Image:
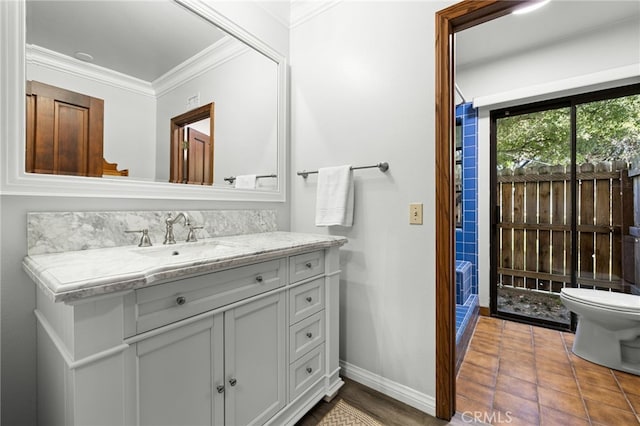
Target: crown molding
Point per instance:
(304, 10)
(215, 55)
(46, 58)
(284, 21)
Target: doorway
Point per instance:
(455, 18)
(192, 146)
(449, 21)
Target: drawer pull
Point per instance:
(309, 334)
(308, 299)
(308, 265)
(309, 370)
(259, 278)
(220, 388)
(181, 300)
(233, 382)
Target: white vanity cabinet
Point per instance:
(250, 343)
(224, 369)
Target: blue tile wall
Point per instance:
(467, 236)
(463, 281)
(464, 314)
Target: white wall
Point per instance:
(544, 73)
(129, 119)
(363, 92)
(609, 47)
(17, 292)
(245, 92)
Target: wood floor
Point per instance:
(530, 376)
(384, 409)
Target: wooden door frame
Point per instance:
(197, 114)
(457, 17)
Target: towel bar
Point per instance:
(231, 179)
(384, 166)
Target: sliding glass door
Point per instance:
(607, 140)
(562, 200)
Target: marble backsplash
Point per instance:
(55, 232)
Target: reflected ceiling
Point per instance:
(149, 42)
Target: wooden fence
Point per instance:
(534, 227)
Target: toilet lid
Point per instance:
(618, 301)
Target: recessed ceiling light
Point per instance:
(83, 56)
(530, 8)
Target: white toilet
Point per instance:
(608, 330)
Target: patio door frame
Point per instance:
(572, 102)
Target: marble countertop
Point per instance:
(74, 275)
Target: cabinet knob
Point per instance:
(309, 299)
(259, 278)
(233, 382)
(181, 300)
(309, 370)
(309, 334)
(308, 265)
(220, 388)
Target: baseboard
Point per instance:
(485, 311)
(409, 396)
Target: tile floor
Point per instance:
(524, 375)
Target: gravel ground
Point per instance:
(532, 304)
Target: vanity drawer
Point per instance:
(306, 299)
(306, 371)
(306, 335)
(306, 265)
(170, 302)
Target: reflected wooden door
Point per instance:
(199, 160)
(191, 151)
(64, 131)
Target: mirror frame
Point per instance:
(14, 180)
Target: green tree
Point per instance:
(606, 130)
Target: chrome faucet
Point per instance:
(169, 221)
(191, 236)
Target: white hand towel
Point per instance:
(334, 200)
(246, 181)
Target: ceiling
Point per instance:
(558, 20)
(143, 39)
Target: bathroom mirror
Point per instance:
(150, 62)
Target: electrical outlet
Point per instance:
(415, 214)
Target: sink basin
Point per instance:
(186, 251)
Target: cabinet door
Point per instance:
(255, 361)
(178, 372)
